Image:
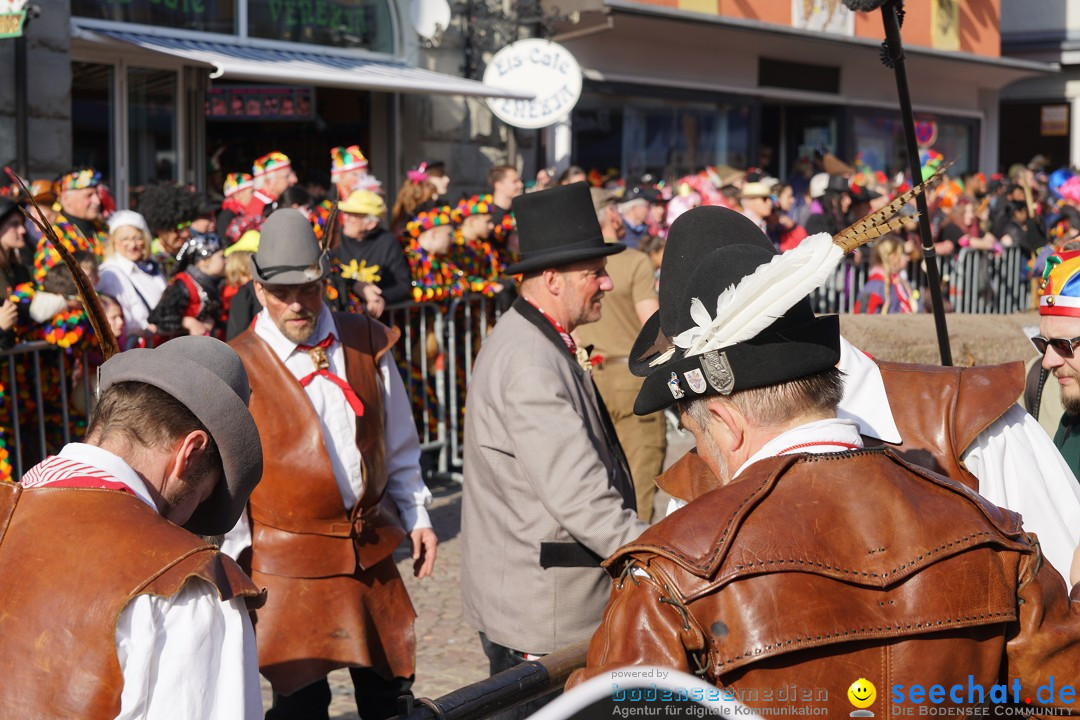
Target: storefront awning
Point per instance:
(234, 61)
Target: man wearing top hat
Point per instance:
(547, 492)
(111, 606)
(340, 491)
(816, 561)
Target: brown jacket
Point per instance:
(72, 560)
(939, 412)
(336, 598)
(817, 570)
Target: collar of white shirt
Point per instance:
(865, 400)
(282, 346)
(121, 263)
(113, 464)
(812, 437)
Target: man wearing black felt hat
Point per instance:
(813, 556)
(547, 489)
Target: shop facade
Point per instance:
(672, 88)
(188, 90)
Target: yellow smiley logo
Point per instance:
(862, 693)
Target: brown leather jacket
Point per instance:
(72, 560)
(817, 570)
(336, 598)
(939, 412)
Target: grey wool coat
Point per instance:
(547, 493)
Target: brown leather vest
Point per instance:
(300, 527)
(883, 570)
(939, 412)
(335, 596)
(71, 560)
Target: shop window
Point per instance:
(879, 140)
(92, 120)
(152, 112)
(338, 23)
(665, 141)
(217, 16)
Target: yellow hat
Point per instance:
(248, 242)
(363, 202)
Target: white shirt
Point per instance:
(188, 656)
(123, 279)
(1016, 462)
(404, 482)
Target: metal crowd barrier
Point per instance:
(31, 425)
(438, 347)
(974, 281)
(439, 343)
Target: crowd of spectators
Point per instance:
(179, 263)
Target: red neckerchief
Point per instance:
(317, 353)
(566, 338)
(58, 472)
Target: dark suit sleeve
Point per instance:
(245, 306)
(399, 290)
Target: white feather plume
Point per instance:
(762, 297)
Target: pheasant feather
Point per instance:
(745, 310)
(94, 310)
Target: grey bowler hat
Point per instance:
(207, 376)
(289, 253)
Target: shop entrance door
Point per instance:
(792, 132)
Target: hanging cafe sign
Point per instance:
(12, 18)
(546, 68)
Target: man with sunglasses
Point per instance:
(1057, 342)
(341, 477)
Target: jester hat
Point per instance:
(428, 219)
(343, 159)
(79, 180)
(1059, 291)
(476, 205)
(235, 182)
(270, 162)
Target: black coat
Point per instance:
(380, 248)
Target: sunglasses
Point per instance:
(1062, 346)
(181, 227)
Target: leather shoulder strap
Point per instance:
(985, 394)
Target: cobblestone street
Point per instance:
(448, 653)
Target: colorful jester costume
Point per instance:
(74, 239)
(41, 384)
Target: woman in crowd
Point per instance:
(128, 273)
(12, 272)
(886, 290)
(961, 229)
(783, 230)
(416, 193)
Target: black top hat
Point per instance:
(714, 249)
(838, 184)
(7, 206)
(558, 227)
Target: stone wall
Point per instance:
(49, 91)
(461, 131)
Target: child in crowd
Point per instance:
(237, 273)
(191, 304)
(89, 263)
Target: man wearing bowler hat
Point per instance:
(112, 607)
(340, 490)
(547, 492)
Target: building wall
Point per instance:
(49, 91)
(977, 31)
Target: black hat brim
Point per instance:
(559, 258)
(770, 359)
